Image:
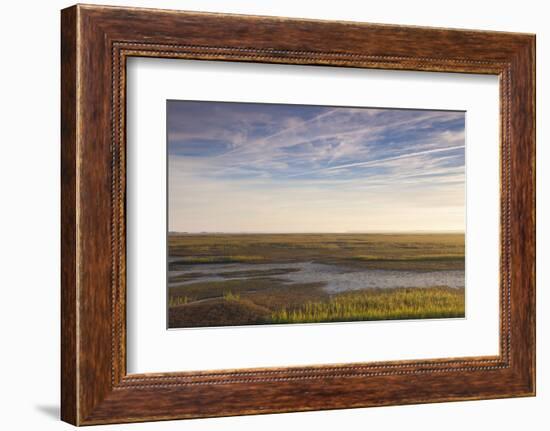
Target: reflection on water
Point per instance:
(335, 278)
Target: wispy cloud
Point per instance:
(383, 160)
(240, 153)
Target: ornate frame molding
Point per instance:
(96, 41)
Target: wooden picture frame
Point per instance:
(95, 43)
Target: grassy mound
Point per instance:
(216, 312)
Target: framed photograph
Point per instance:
(265, 215)
(284, 214)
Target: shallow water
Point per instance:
(335, 278)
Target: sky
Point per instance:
(254, 167)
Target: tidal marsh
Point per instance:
(243, 279)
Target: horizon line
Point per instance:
(314, 232)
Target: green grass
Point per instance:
(174, 301)
(388, 304)
(228, 296)
(281, 306)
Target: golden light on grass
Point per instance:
(387, 304)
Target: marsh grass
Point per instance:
(383, 251)
(218, 259)
(388, 304)
(251, 295)
(420, 257)
(174, 301)
(228, 296)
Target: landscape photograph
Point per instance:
(305, 214)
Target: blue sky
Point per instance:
(247, 167)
